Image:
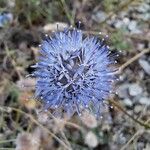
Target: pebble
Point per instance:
(140, 46)
(135, 89)
(127, 102)
(89, 120)
(126, 21)
(133, 27)
(55, 26)
(145, 65)
(123, 91)
(119, 24)
(143, 8)
(91, 139)
(141, 74)
(138, 108)
(99, 16)
(145, 100)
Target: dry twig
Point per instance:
(117, 104)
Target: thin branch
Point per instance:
(123, 66)
(65, 138)
(37, 123)
(67, 122)
(118, 105)
(139, 131)
(133, 137)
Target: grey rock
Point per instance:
(123, 91)
(126, 20)
(145, 65)
(121, 139)
(119, 24)
(145, 100)
(135, 89)
(133, 27)
(143, 8)
(128, 102)
(141, 74)
(138, 108)
(99, 16)
(140, 46)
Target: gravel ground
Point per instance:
(124, 123)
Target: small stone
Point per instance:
(145, 65)
(138, 108)
(144, 100)
(141, 74)
(89, 120)
(147, 147)
(128, 102)
(91, 139)
(135, 89)
(123, 90)
(133, 27)
(143, 8)
(119, 24)
(54, 26)
(140, 46)
(121, 139)
(99, 16)
(126, 21)
(140, 145)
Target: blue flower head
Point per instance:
(73, 72)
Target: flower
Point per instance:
(73, 72)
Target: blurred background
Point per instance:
(123, 126)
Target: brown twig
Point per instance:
(123, 66)
(133, 137)
(36, 122)
(118, 105)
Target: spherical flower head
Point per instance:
(73, 72)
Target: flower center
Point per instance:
(73, 71)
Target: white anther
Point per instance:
(111, 107)
(101, 117)
(106, 36)
(107, 46)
